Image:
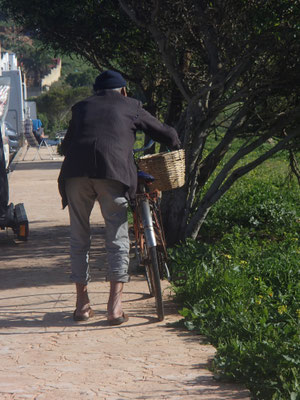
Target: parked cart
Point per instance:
(11, 216)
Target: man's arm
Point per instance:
(65, 144)
(159, 132)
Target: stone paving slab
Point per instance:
(45, 355)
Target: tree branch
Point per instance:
(162, 43)
(294, 165)
(216, 155)
(216, 191)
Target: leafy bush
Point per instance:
(264, 203)
(55, 106)
(83, 78)
(240, 286)
(244, 296)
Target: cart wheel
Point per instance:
(10, 234)
(23, 231)
(21, 226)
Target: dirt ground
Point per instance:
(45, 355)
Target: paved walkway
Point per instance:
(45, 355)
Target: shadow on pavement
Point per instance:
(44, 258)
(42, 263)
(55, 310)
(208, 388)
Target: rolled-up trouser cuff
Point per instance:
(76, 279)
(118, 260)
(118, 278)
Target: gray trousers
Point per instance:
(82, 194)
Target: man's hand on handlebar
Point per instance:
(176, 145)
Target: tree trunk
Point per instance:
(173, 208)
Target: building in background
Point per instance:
(4, 141)
(17, 109)
(52, 76)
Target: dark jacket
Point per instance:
(100, 139)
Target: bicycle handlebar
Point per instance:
(148, 146)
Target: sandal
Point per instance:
(83, 317)
(119, 320)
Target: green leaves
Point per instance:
(56, 105)
(242, 291)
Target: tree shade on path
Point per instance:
(46, 355)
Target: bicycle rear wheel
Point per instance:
(147, 272)
(161, 248)
(151, 259)
(154, 278)
(163, 264)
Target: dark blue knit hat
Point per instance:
(109, 80)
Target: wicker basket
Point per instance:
(168, 169)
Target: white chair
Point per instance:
(32, 142)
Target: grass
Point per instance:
(239, 284)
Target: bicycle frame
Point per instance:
(149, 238)
(147, 199)
(147, 222)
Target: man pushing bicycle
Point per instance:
(98, 165)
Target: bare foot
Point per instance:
(114, 305)
(83, 302)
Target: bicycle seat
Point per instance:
(145, 177)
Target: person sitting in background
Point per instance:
(38, 131)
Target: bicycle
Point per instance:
(150, 243)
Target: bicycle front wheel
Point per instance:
(154, 278)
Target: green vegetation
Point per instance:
(239, 284)
(77, 72)
(54, 106)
